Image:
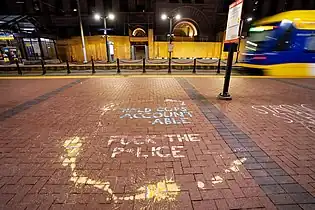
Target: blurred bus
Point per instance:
(283, 44)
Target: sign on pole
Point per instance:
(234, 22)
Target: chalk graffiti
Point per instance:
(302, 114)
(160, 115)
(175, 113)
(157, 191)
(159, 151)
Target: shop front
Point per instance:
(22, 40)
(8, 48)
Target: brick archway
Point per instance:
(185, 28)
(195, 16)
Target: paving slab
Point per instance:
(157, 143)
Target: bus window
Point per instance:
(258, 38)
(284, 42)
(310, 44)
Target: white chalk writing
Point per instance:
(302, 114)
(160, 115)
(159, 151)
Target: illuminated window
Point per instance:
(310, 44)
(284, 43)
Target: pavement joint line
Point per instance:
(238, 142)
(30, 103)
(292, 83)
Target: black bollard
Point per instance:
(169, 65)
(225, 94)
(143, 70)
(68, 67)
(194, 69)
(43, 66)
(219, 67)
(18, 67)
(118, 66)
(93, 67)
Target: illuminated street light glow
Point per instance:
(249, 19)
(178, 17)
(164, 16)
(97, 16)
(111, 16)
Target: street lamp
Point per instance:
(249, 19)
(82, 33)
(110, 16)
(97, 16)
(176, 17)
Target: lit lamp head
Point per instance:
(111, 16)
(249, 19)
(97, 16)
(178, 17)
(164, 16)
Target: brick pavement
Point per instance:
(157, 143)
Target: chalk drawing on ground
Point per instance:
(294, 113)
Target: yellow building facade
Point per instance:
(71, 49)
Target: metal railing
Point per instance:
(144, 64)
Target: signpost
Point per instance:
(231, 38)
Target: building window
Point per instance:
(186, 1)
(174, 1)
(199, 1)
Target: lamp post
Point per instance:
(171, 18)
(82, 33)
(111, 17)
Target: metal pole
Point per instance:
(143, 70)
(106, 40)
(82, 33)
(170, 34)
(118, 66)
(68, 67)
(93, 67)
(18, 67)
(194, 69)
(170, 42)
(220, 57)
(225, 95)
(43, 66)
(239, 42)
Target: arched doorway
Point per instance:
(139, 45)
(139, 32)
(185, 29)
